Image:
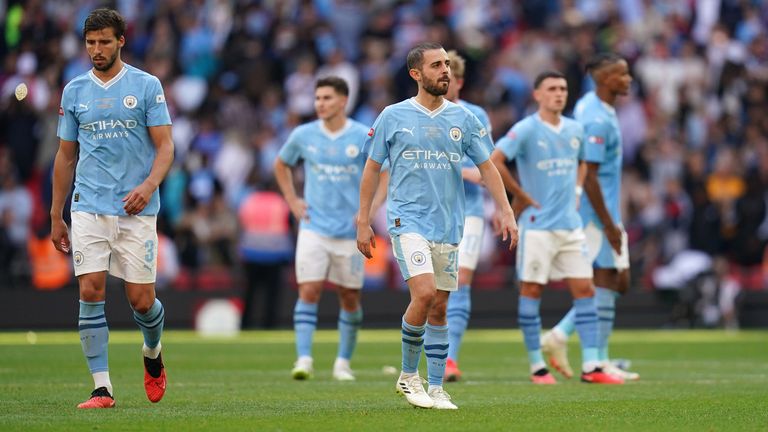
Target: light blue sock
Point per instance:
(436, 351)
(566, 325)
(413, 339)
(606, 312)
(459, 307)
(586, 325)
(94, 335)
(151, 323)
(530, 323)
(349, 324)
(304, 325)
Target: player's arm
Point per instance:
(595, 195)
(139, 197)
(63, 171)
(472, 175)
(380, 197)
(369, 183)
(581, 174)
(284, 177)
(494, 184)
(521, 198)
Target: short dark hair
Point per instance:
(544, 75)
(416, 54)
(102, 18)
(338, 84)
(601, 60)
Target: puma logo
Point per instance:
(410, 131)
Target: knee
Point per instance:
(142, 304)
(310, 293)
(350, 299)
(424, 297)
(91, 292)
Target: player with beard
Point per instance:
(115, 126)
(424, 138)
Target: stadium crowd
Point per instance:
(239, 76)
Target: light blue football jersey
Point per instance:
(333, 167)
(474, 193)
(602, 145)
(547, 159)
(425, 149)
(109, 121)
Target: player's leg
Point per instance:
(445, 259)
(529, 320)
(611, 281)
(460, 302)
(94, 338)
(534, 255)
(350, 320)
(312, 262)
(134, 259)
(586, 326)
(413, 256)
(346, 271)
(90, 253)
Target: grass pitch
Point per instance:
(690, 381)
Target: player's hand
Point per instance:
(299, 209)
(138, 198)
(365, 240)
(522, 202)
(60, 235)
(614, 236)
(508, 227)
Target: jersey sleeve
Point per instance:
(156, 108)
(67, 128)
(291, 151)
(479, 145)
(511, 143)
(596, 136)
(377, 144)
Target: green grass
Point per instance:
(691, 381)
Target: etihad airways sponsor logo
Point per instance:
(434, 155)
(431, 159)
(335, 173)
(555, 167)
(106, 125)
(109, 129)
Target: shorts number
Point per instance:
(149, 245)
(453, 262)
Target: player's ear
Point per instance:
(121, 41)
(415, 74)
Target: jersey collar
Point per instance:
(110, 83)
(556, 129)
(431, 114)
(338, 133)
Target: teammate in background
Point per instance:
(547, 148)
(424, 139)
(326, 247)
(600, 210)
(114, 124)
(459, 302)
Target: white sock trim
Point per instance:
(151, 353)
(101, 379)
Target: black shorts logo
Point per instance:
(397, 222)
(77, 197)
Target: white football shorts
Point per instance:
(557, 254)
(319, 258)
(469, 248)
(125, 246)
(600, 251)
(416, 255)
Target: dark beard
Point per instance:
(106, 66)
(433, 89)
